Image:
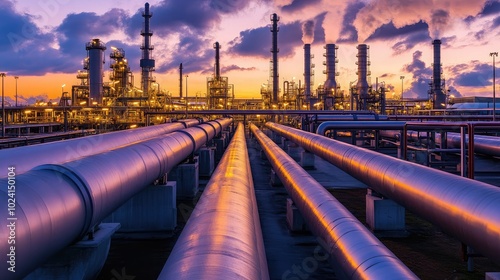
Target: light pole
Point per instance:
(402, 101)
(493, 54)
(187, 96)
(3, 107)
(65, 116)
(16, 77)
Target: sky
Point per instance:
(43, 42)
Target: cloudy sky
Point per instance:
(43, 41)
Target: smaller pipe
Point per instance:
(360, 254)
(222, 239)
(382, 125)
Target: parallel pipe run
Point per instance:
(360, 254)
(222, 239)
(58, 204)
(464, 208)
(28, 157)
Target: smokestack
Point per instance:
(147, 64)
(95, 52)
(180, 80)
(362, 85)
(274, 51)
(330, 85)
(439, 96)
(307, 71)
(217, 60)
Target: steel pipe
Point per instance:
(381, 125)
(464, 208)
(222, 239)
(28, 157)
(360, 254)
(56, 205)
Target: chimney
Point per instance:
(180, 80)
(330, 85)
(274, 51)
(439, 95)
(362, 85)
(307, 71)
(217, 59)
(147, 64)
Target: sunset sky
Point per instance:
(43, 42)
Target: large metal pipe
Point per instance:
(222, 239)
(360, 254)
(56, 205)
(353, 117)
(307, 71)
(382, 125)
(464, 208)
(28, 157)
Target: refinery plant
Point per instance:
(121, 179)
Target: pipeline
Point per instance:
(381, 125)
(222, 239)
(57, 204)
(28, 157)
(464, 208)
(360, 254)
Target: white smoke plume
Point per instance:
(308, 31)
(438, 14)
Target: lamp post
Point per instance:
(402, 101)
(3, 107)
(187, 96)
(493, 54)
(65, 116)
(16, 77)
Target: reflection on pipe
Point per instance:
(360, 254)
(462, 207)
(28, 157)
(222, 239)
(58, 204)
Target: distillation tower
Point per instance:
(147, 63)
(220, 92)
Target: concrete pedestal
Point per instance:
(294, 151)
(384, 214)
(153, 209)
(219, 148)
(275, 180)
(294, 219)
(187, 177)
(83, 260)
(206, 161)
(307, 160)
(284, 143)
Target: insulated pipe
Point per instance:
(56, 205)
(28, 157)
(353, 117)
(222, 239)
(382, 125)
(464, 208)
(360, 254)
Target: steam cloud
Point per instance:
(438, 14)
(308, 32)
